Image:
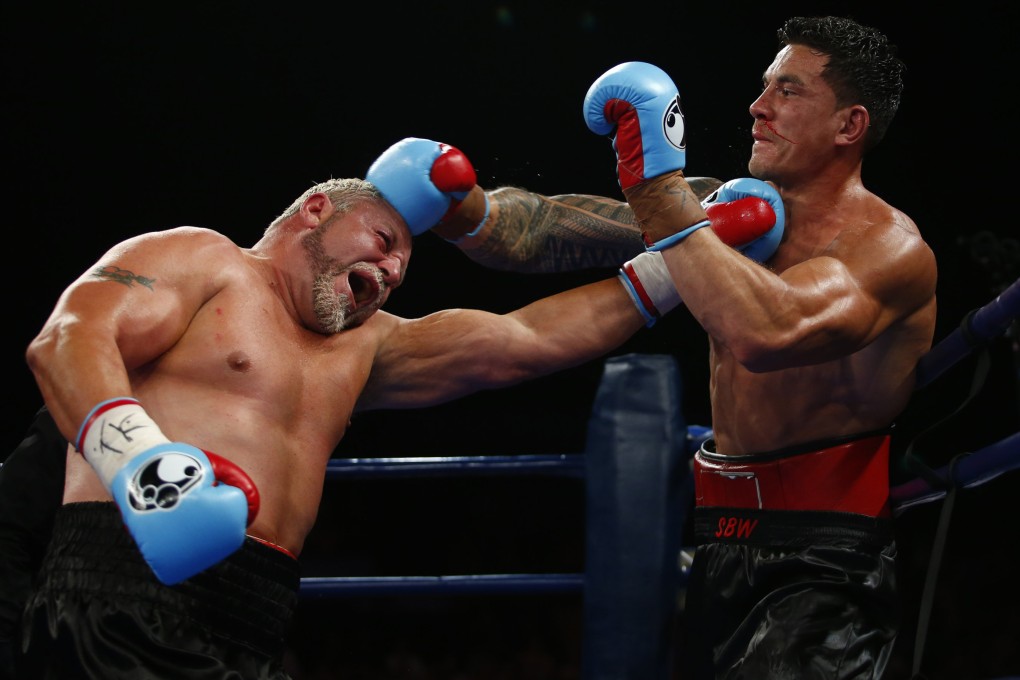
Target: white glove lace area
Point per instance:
(113, 433)
(647, 279)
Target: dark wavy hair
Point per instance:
(862, 69)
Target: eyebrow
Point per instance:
(784, 78)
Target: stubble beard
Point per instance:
(333, 310)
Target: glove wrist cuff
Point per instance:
(666, 209)
(113, 433)
(650, 286)
(468, 219)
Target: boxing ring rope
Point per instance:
(638, 491)
(556, 465)
(635, 469)
(978, 328)
(967, 469)
(972, 470)
(560, 465)
(568, 465)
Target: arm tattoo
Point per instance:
(703, 186)
(535, 233)
(569, 232)
(113, 273)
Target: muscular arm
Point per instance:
(822, 308)
(529, 232)
(456, 352)
(125, 311)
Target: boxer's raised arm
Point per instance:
(532, 233)
(826, 307)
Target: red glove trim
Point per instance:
(226, 472)
(630, 154)
(642, 294)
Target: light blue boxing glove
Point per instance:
(424, 181)
(741, 207)
(186, 509)
(639, 105)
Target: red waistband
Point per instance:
(270, 544)
(851, 477)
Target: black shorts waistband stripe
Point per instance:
(793, 529)
(708, 449)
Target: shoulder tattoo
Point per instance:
(123, 276)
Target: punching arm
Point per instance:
(532, 233)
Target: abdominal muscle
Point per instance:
(761, 412)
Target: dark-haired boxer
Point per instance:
(811, 357)
(205, 386)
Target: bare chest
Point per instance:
(243, 360)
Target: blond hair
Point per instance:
(344, 194)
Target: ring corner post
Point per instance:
(636, 473)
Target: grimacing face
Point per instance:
(356, 258)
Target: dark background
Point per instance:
(128, 118)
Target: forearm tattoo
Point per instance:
(561, 233)
(123, 276)
(570, 232)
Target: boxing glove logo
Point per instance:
(161, 483)
(673, 124)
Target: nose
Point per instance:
(758, 108)
(390, 268)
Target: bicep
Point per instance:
(138, 296)
(848, 299)
(124, 311)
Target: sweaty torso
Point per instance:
(759, 412)
(856, 393)
(247, 383)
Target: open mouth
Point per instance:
(365, 283)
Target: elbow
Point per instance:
(43, 351)
(37, 352)
(789, 350)
(761, 354)
(754, 358)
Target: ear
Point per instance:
(316, 209)
(856, 121)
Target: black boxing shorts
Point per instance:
(100, 613)
(794, 571)
(31, 488)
